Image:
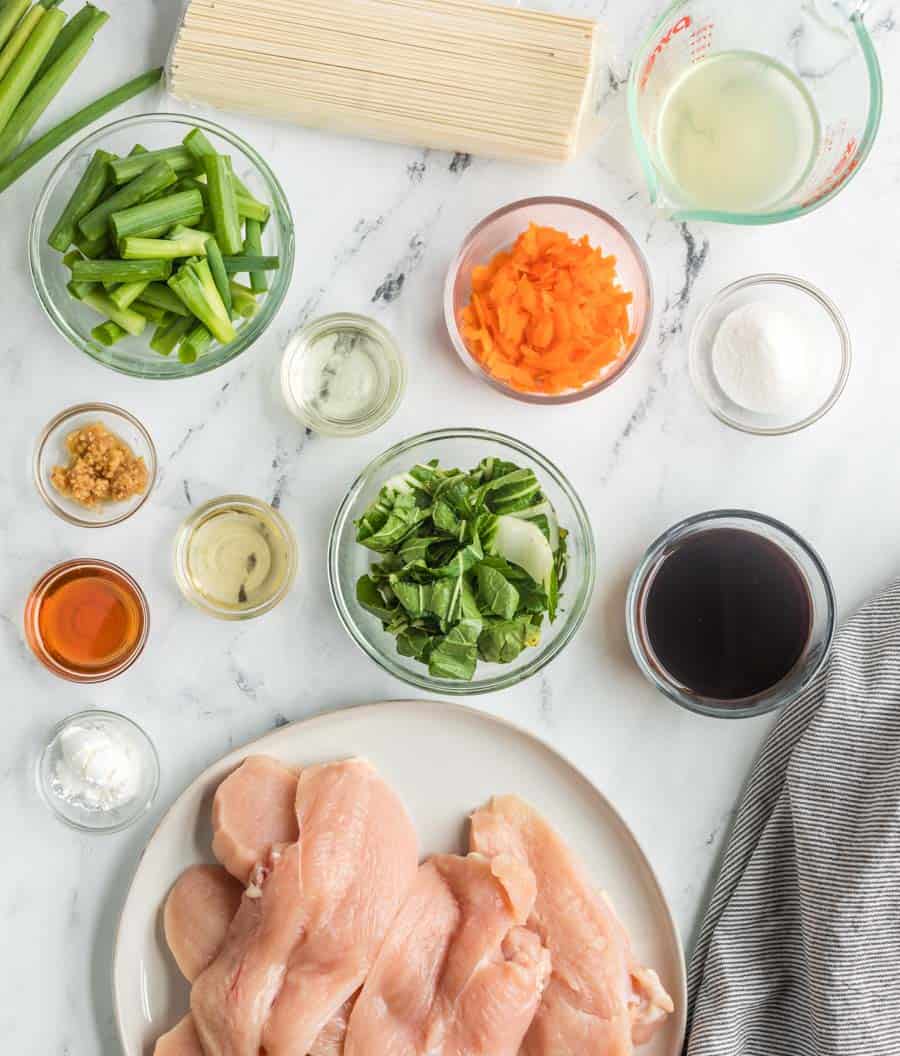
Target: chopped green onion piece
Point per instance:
(238, 264)
(222, 203)
(125, 170)
(253, 248)
(168, 334)
(151, 312)
(157, 178)
(161, 214)
(159, 294)
(84, 198)
(219, 274)
(121, 270)
(194, 345)
(194, 284)
(128, 319)
(243, 300)
(125, 295)
(108, 333)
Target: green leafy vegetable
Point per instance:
(468, 565)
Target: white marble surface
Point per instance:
(643, 455)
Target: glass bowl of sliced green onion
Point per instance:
(462, 561)
(162, 246)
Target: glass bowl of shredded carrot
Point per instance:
(549, 300)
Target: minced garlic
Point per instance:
(102, 468)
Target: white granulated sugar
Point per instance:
(763, 358)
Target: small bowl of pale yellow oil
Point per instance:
(235, 557)
(343, 375)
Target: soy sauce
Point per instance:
(728, 613)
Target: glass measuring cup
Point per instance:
(823, 43)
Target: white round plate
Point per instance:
(444, 760)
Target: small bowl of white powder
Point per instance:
(770, 355)
(99, 772)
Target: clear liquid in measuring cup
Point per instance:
(737, 132)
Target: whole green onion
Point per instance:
(37, 151)
(45, 88)
(26, 64)
(20, 35)
(11, 14)
(75, 24)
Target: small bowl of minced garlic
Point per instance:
(94, 465)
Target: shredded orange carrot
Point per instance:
(548, 315)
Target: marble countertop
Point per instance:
(376, 228)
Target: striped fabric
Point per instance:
(799, 953)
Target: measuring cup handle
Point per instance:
(852, 8)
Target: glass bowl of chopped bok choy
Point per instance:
(462, 561)
(162, 246)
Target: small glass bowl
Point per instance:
(205, 513)
(822, 603)
(828, 334)
(76, 813)
(74, 321)
(45, 585)
(300, 389)
(51, 451)
(498, 232)
(464, 448)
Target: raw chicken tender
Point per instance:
(312, 919)
(456, 975)
(598, 1000)
(181, 1040)
(253, 810)
(198, 911)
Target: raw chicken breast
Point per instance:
(330, 1041)
(181, 1040)
(253, 809)
(197, 914)
(313, 918)
(598, 1000)
(456, 975)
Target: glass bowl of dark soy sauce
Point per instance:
(730, 614)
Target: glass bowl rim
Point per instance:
(581, 597)
(476, 368)
(248, 334)
(298, 342)
(752, 520)
(186, 530)
(824, 302)
(153, 755)
(59, 420)
(32, 633)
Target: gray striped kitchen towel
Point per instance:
(799, 952)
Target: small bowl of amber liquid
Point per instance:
(94, 465)
(86, 620)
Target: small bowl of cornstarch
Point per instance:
(770, 355)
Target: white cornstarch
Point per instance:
(763, 358)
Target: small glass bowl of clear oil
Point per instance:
(754, 113)
(343, 375)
